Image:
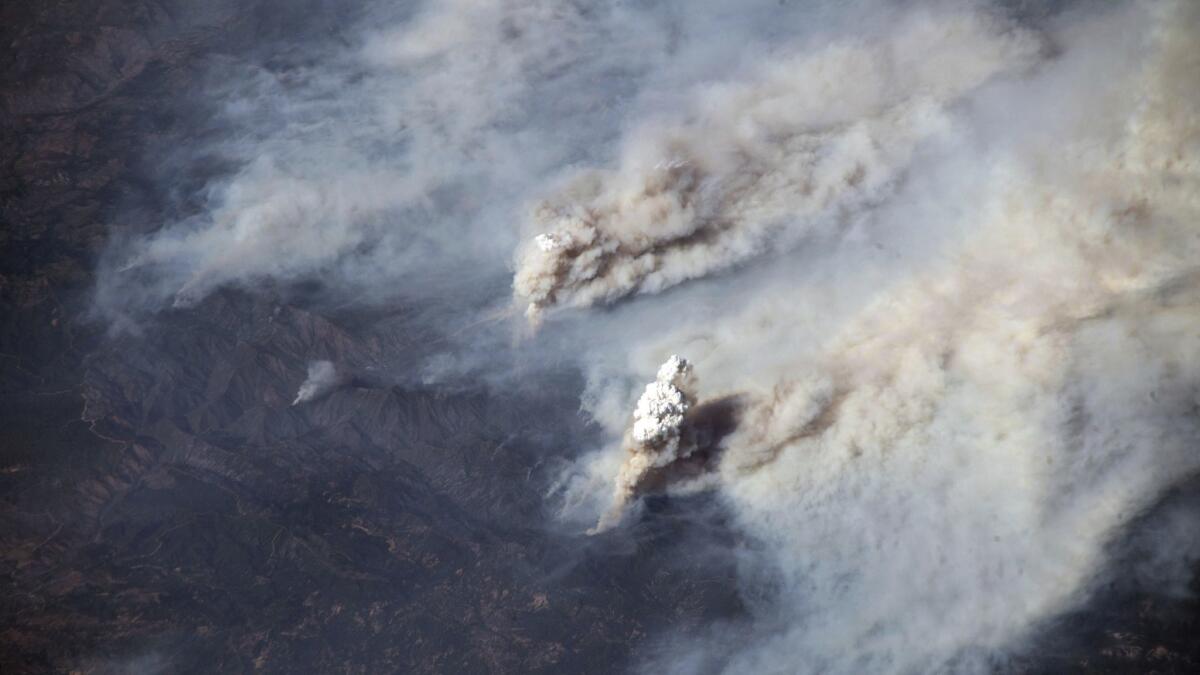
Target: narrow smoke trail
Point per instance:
(322, 378)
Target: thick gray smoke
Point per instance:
(944, 258)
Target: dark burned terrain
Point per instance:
(163, 507)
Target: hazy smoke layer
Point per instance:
(802, 143)
(391, 158)
(959, 306)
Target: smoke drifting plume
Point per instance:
(801, 146)
(322, 378)
(941, 462)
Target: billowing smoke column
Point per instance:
(322, 378)
(760, 163)
(657, 438)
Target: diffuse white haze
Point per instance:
(946, 260)
(945, 465)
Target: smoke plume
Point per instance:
(943, 256)
(656, 438)
(322, 378)
(942, 460)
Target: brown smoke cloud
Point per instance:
(801, 146)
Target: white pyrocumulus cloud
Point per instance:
(656, 438)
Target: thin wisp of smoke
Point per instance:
(322, 378)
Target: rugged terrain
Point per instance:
(165, 508)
